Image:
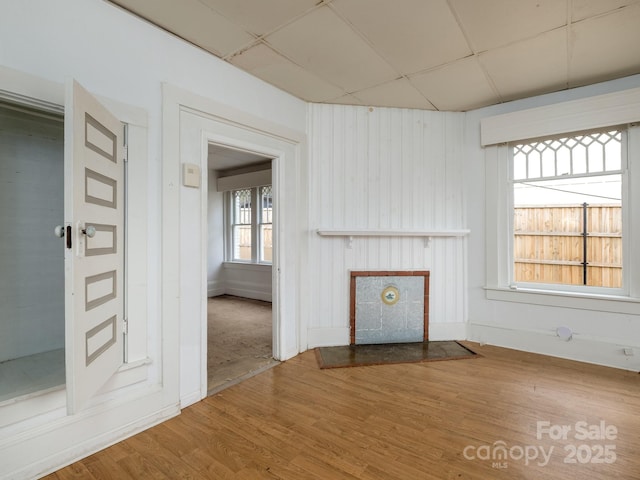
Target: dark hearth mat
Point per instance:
(388, 353)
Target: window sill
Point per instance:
(247, 266)
(577, 300)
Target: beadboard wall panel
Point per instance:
(384, 169)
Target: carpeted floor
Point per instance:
(239, 340)
(388, 353)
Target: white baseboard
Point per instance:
(248, 290)
(327, 337)
(46, 455)
(580, 349)
(190, 398)
(447, 331)
(215, 289)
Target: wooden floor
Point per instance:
(437, 420)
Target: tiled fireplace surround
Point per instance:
(389, 306)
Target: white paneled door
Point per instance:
(94, 260)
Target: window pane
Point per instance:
(613, 156)
(567, 222)
(242, 206)
(242, 225)
(519, 165)
(267, 204)
(266, 219)
(266, 250)
(242, 242)
(596, 157)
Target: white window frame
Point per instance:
(534, 286)
(619, 108)
(256, 222)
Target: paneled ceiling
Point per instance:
(453, 55)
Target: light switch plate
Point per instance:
(191, 175)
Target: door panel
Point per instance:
(94, 208)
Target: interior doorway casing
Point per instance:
(191, 123)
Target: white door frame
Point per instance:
(190, 123)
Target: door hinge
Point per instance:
(125, 326)
(125, 142)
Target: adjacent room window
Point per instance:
(250, 233)
(568, 198)
(265, 222)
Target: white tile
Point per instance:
(413, 35)
(530, 67)
(605, 47)
(192, 21)
(459, 86)
(493, 23)
(273, 68)
(259, 16)
(323, 43)
(581, 9)
(397, 93)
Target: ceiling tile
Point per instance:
(417, 36)
(459, 86)
(273, 68)
(192, 21)
(258, 16)
(322, 43)
(605, 47)
(494, 23)
(581, 9)
(530, 67)
(398, 93)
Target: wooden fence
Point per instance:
(550, 245)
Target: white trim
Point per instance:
(256, 267)
(45, 464)
(392, 233)
(601, 111)
(582, 348)
(36, 92)
(215, 119)
(584, 114)
(599, 303)
(244, 180)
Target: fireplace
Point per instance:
(389, 307)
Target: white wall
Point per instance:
(116, 55)
(599, 335)
(385, 168)
(215, 244)
(31, 257)
(248, 280)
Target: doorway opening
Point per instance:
(239, 266)
(32, 317)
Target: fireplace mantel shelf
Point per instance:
(426, 234)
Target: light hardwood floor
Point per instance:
(410, 421)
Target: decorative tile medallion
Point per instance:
(390, 295)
